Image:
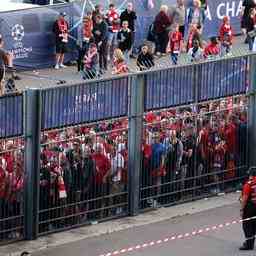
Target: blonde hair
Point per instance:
(118, 54)
(164, 8)
(198, 2)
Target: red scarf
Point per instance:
(87, 29)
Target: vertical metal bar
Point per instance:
(252, 111)
(32, 128)
(136, 111)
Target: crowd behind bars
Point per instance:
(106, 37)
(84, 170)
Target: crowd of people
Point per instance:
(185, 152)
(106, 37)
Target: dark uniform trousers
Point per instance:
(249, 226)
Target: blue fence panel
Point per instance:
(167, 88)
(84, 103)
(11, 116)
(222, 78)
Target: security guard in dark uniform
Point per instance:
(248, 210)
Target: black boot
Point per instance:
(247, 245)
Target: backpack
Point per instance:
(151, 33)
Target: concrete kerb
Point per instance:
(161, 214)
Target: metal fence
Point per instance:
(83, 175)
(12, 181)
(194, 151)
(108, 148)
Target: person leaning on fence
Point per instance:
(91, 60)
(174, 46)
(226, 36)
(60, 29)
(100, 32)
(145, 58)
(85, 37)
(196, 52)
(120, 66)
(124, 39)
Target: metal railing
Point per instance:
(111, 147)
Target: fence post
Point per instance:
(32, 127)
(252, 111)
(136, 110)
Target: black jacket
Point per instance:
(145, 60)
(124, 39)
(103, 29)
(130, 17)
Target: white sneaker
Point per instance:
(62, 66)
(57, 66)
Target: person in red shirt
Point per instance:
(175, 44)
(103, 168)
(248, 210)
(226, 36)
(212, 49)
(113, 20)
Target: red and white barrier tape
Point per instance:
(174, 237)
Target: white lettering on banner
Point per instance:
(219, 8)
(229, 8)
(239, 8)
(208, 13)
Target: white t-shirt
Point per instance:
(117, 162)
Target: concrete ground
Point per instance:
(104, 238)
(50, 78)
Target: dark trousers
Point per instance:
(182, 30)
(81, 52)
(249, 227)
(103, 53)
(161, 42)
(174, 58)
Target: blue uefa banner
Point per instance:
(84, 103)
(11, 116)
(169, 88)
(223, 78)
(200, 82)
(28, 35)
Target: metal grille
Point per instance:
(194, 151)
(11, 189)
(11, 116)
(83, 175)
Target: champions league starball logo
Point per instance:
(18, 32)
(18, 50)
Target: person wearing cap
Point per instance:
(248, 210)
(60, 29)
